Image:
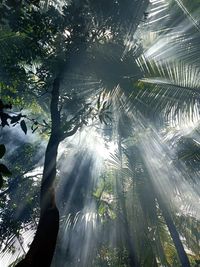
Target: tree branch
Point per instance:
(71, 132)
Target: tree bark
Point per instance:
(174, 233)
(129, 239)
(42, 248)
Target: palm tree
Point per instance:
(143, 78)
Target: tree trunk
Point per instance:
(174, 234)
(129, 239)
(133, 261)
(42, 248)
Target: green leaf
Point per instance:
(104, 120)
(99, 102)
(100, 118)
(104, 105)
(23, 126)
(15, 119)
(4, 170)
(2, 150)
(1, 181)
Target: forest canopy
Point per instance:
(99, 143)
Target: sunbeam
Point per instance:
(100, 144)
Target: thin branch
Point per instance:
(72, 132)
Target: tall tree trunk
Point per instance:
(174, 233)
(129, 239)
(42, 248)
(133, 261)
